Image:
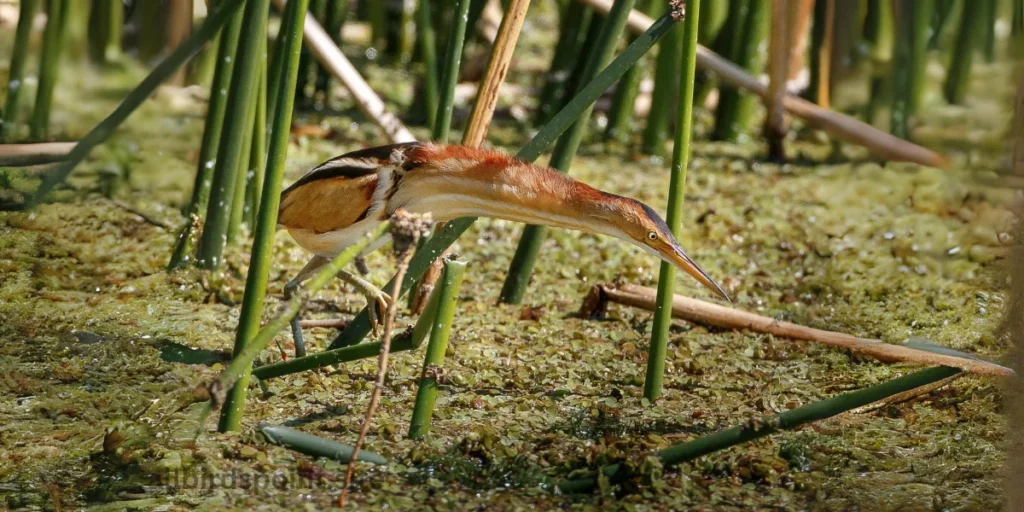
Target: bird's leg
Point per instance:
(376, 300)
(289, 290)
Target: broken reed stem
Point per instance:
(19, 54)
(707, 313)
(958, 75)
(666, 77)
(140, 93)
(756, 429)
(249, 338)
(735, 108)
(330, 57)
(382, 364)
(238, 119)
(445, 237)
(676, 192)
(525, 257)
(443, 317)
(49, 66)
(105, 23)
(839, 125)
(236, 375)
(428, 52)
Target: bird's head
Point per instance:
(641, 225)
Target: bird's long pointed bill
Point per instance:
(684, 262)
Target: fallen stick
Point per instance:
(842, 126)
(323, 47)
(20, 155)
(707, 313)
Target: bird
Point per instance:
(339, 201)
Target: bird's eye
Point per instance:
(652, 236)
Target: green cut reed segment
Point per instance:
(315, 446)
(572, 33)
(721, 440)
(212, 131)
(426, 394)
(248, 340)
(140, 93)
(246, 173)
(623, 105)
(734, 107)
(428, 53)
(257, 157)
(584, 99)
(105, 23)
(677, 188)
(237, 124)
(969, 33)
(880, 35)
(49, 67)
(518, 277)
(16, 74)
(666, 80)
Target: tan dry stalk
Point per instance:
(707, 313)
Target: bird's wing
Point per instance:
(352, 165)
(328, 204)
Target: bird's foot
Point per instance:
(377, 304)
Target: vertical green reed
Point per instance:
(721, 40)
(140, 93)
(49, 66)
(572, 32)
(734, 107)
(257, 157)
(525, 257)
(666, 79)
(152, 19)
(958, 75)
(337, 11)
(428, 52)
(16, 76)
(1017, 23)
(452, 63)
(988, 29)
(818, 27)
(676, 192)
(880, 34)
(212, 130)
(902, 86)
(245, 175)
(620, 115)
(236, 127)
(105, 22)
(275, 71)
(308, 65)
(289, 44)
(78, 29)
(426, 394)
(923, 12)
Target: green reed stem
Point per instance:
(49, 66)
(988, 29)
(452, 64)
(308, 65)
(426, 394)
(818, 26)
(105, 23)
(666, 77)
(19, 54)
(337, 11)
(735, 108)
(144, 90)
(879, 32)
(923, 13)
(257, 157)
(236, 376)
(152, 20)
(902, 87)
(1017, 23)
(316, 446)
(572, 32)
(439, 242)
(249, 338)
(958, 75)
(204, 65)
(428, 52)
(237, 124)
(721, 440)
(620, 115)
(525, 257)
(676, 192)
(245, 175)
(275, 70)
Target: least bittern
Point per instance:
(345, 197)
